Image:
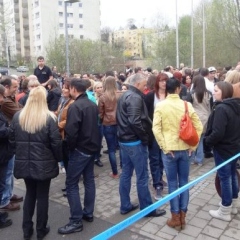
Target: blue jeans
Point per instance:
(156, 164)
(80, 164)
(228, 179)
(100, 128)
(3, 171)
(110, 133)
(177, 171)
(134, 158)
(8, 188)
(199, 153)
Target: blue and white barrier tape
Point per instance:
(129, 221)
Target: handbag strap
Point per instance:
(186, 107)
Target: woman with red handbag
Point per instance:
(175, 152)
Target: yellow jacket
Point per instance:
(166, 123)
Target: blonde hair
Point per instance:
(110, 88)
(97, 95)
(33, 82)
(35, 113)
(233, 77)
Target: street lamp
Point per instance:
(66, 34)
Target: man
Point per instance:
(212, 74)
(134, 126)
(82, 139)
(43, 72)
(9, 107)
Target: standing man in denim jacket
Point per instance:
(82, 139)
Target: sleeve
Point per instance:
(4, 130)
(157, 129)
(49, 97)
(74, 119)
(101, 108)
(218, 127)
(10, 108)
(134, 110)
(55, 140)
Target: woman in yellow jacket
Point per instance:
(175, 152)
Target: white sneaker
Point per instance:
(63, 170)
(158, 195)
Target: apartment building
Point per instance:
(132, 41)
(35, 22)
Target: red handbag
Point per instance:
(188, 132)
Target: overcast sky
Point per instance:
(114, 13)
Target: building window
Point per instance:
(37, 15)
(70, 25)
(81, 36)
(36, 3)
(61, 25)
(70, 15)
(80, 15)
(69, 4)
(80, 26)
(80, 4)
(37, 25)
(60, 3)
(71, 36)
(38, 37)
(60, 14)
(39, 48)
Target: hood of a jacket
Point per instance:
(234, 103)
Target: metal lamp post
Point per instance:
(66, 34)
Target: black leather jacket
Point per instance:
(6, 153)
(132, 117)
(37, 154)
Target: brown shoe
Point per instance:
(175, 222)
(15, 198)
(10, 207)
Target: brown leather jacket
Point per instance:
(63, 117)
(107, 109)
(9, 107)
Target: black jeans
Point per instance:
(36, 191)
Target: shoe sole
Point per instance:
(6, 225)
(9, 210)
(73, 231)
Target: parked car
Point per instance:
(4, 71)
(22, 69)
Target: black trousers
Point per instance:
(37, 191)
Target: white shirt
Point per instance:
(209, 85)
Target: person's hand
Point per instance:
(190, 152)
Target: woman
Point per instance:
(175, 152)
(37, 141)
(201, 101)
(61, 113)
(187, 81)
(5, 155)
(155, 160)
(224, 136)
(54, 95)
(97, 88)
(107, 106)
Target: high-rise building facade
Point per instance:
(36, 22)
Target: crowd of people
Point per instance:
(138, 112)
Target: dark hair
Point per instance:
(199, 87)
(184, 78)
(151, 82)
(40, 58)
(160, 77)
(228, 68)
(52, 83)
(167, 68)
(87, 83)
(78, 84)
(137, 69)
(226, 88)
(172, 84)
(7, 81)
(188, 72)
(204, 72)
(109, 73)
(24, 85)
(2, 89)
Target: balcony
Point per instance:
(27, 44)
(18, 47)
(25, 13)
(16, 8)
(26, 34)
(25, 23)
